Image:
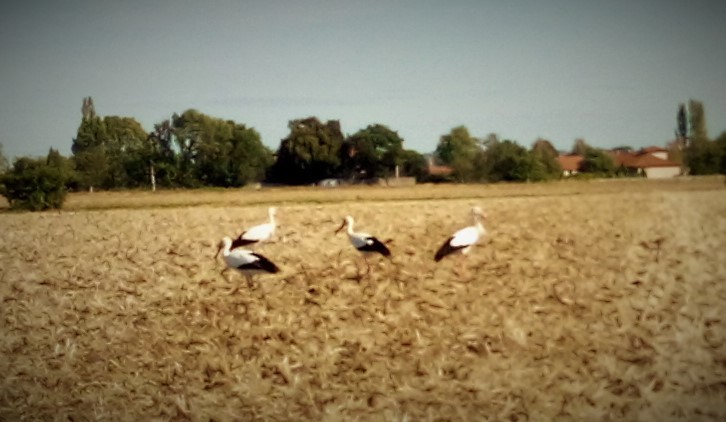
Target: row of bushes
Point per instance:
(36, 184)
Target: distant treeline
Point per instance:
(193, 150)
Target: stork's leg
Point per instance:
(368, 266)
(460, 264)
(223, 274)
(464, 266)
(250, 283)
(357, 267)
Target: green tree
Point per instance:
(489, 140)
(413, 164)
(188, 129)
(545, 156)
(36, 184)
(249, 159)
(161, 155)
(509, 161)
(702, 155)
(721, 144)
(310, 152)
(126, 151)
(580, 147)
(682, 122)
(65, 165)
(372, 152)
(3, 161)
(697, 121)
(675, 150)
(216, 152)
(89, 148)
(212, 149)
(598, 162)
(109, 152)
(458, 149)
(456, 144)
(481, 160)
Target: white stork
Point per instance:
(244, 261)
(464, 239)
(364, 242)
(260, 233)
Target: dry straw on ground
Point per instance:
(577, 307)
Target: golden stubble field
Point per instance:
(576, 307)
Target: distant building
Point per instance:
(437, 170)
(570, 164)
(651, 162)
(329, 183)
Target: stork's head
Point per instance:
(478, 212)
(223, 244)
(347, 221)
(272, 211)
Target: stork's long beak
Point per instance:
(481, 214)
(341, 227)
(219, 249)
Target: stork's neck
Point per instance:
(226, 247)
(349, 223)
(478, 224)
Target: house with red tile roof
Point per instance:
(438, 170)
(651, 162)
(570, 164)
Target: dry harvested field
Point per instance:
(598, 302)
(308, 195)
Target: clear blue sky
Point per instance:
(612, 72)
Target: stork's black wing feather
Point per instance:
(236, 243)
(261, 263)
(375, 245)
(446, 249)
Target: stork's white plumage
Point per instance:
(244, 261)
(363, 242)
(464, 239)
(260, 233)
